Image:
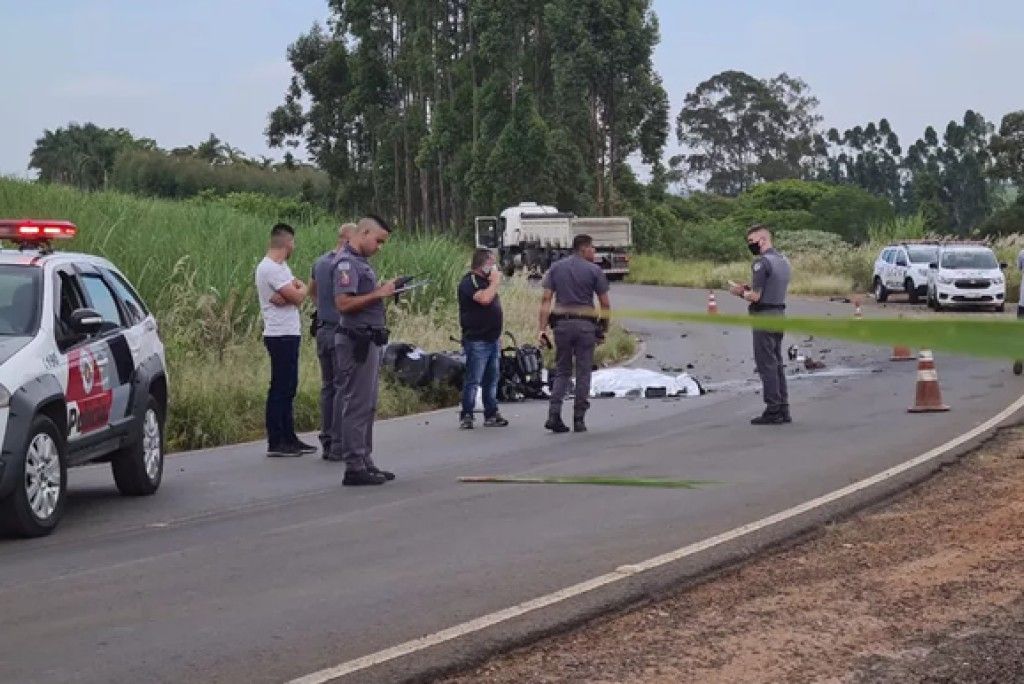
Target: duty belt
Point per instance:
(362, 338)
(757, 307)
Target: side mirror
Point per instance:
(86, 322)
(1003, 266)
(934, 266)
(902, 262)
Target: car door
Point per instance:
(140, 326)
(885, 272)
(110, 347)
(901, 262)
(80, 370)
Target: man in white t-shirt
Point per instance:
(280, 294)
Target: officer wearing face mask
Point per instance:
(766, 296)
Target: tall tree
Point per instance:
(950, 180)
(740, 130)
(82, 154)
(1007, 150)
(869, 157)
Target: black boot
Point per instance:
(578, 424)
(359, 478)
(768, 418)
(786, 418)
(556, 425)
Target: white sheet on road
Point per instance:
(624, 382)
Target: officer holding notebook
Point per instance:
(358, 346)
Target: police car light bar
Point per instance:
(34, 230)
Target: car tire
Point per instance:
(37, 503)
(881, 294)
(911, 291)
(138, 469)
(1000, 308)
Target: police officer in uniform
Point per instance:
(573, 283)
(358, 347)
(325, 324)
(767, 297)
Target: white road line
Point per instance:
(625, 571)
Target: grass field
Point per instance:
(193, 264)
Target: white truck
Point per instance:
(530, 237)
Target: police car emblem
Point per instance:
(85, 367)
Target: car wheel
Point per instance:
(881, 294)
(37, 503)
(139, 468)
(911, 291)
(1000, 308)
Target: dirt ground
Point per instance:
(927, 588)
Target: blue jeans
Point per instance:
(284, 381)
(481, 371)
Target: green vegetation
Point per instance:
(193, 264)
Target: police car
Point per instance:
(903, 267)
(82, 376)
(966, 274)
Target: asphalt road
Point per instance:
(248, 569)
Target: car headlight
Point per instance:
(998, 280)
(945, 281)
(5, 397)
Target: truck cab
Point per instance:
(530, 237)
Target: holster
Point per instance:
(362, 339)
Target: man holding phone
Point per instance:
(482, 320)
(766, 296)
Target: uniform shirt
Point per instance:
(770, 278)
(479, 322)
(278, 321)
(323, 276)
(575, 281)
(354, 275)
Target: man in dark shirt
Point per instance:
(481, 319)
(572, 284)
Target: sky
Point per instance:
(176, 72)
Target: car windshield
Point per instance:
(922, 255)
(977, 259)
(19, 300)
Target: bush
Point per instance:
(897, 228)
(791, 205)
(157, 174)
(266, 206)
(809, 242)
(1005, 222)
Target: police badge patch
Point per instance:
(344, 278)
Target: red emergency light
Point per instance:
(30, 231)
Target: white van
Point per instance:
(966, 275)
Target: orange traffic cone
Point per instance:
(712, 304)
(901, 354)
(857, 311)
(929, 396)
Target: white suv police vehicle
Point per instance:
(82, 376)
(903, 268)
(966, 274)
